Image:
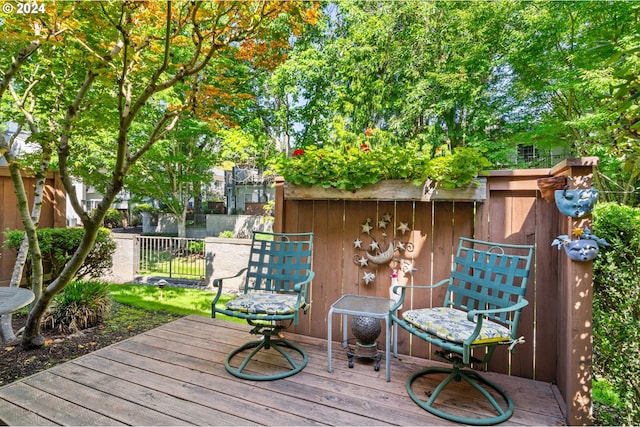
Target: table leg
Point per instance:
(345, 338)
(329, 330)
(395, 339)
(387, 342)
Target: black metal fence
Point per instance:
(172, 257)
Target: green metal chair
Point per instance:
(483, 301)
(276, 288)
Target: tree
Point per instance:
(562, 72)
(422, 70)
(176, 168)
(110, 79)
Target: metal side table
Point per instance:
(358, 305)
(12, 299)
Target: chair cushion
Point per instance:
(452, 325)
(265, 303)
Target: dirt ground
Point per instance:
(123, 322)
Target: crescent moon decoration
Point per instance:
(383, 257)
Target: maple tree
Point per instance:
(116, 92)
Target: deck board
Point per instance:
(175, 375)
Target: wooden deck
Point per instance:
(175, 375)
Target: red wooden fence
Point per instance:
(53, 213)
(556, 324)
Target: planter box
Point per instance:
(392, 190)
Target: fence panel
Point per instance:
(173, 257)
(513, 212)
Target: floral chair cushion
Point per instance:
(452, 325)
(265, 303)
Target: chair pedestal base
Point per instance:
(471, 377)
(266, 344)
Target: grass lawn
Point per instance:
(183, 301)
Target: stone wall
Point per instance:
(240, 225)
(225, 257)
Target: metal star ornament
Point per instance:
(408, 267)
(357, 244)
(404, 227)
(366, 227)
(368, 277)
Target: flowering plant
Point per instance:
(367, 160)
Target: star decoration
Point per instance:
(404, 227)
(382, 224)
(402, 246)
(374, 246)
(368, 277)
(366, 227)
(408, 267)
(386, 217)
(364, 262)
(357, 244)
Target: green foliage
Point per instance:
(143, 207)
(458, 169)
(616, 304)
(58, 245)
(113, 218)
(226, 234)
(81, 305)
(195, 247)
(176, 300)
(607, 407)
(363, 160)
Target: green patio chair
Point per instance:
(276, 288)
(482, 305)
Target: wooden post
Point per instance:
(278, 214)
(575, 292)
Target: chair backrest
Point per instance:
(278, 261)
(488, 275)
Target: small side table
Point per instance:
(14, 298)
(358, 305)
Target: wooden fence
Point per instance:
(557, 322)
(53, 213)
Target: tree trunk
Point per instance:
(182, 223)
(31, 337)
(30, 223)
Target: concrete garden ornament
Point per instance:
(585, 248)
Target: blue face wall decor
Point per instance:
(576, 203)
(581, 250)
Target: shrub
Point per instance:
(361, 160)
(616, 304)
(80, 305)
(195, 247)
(227, 234)
(143, 207)
(113, 218)
(58, 244)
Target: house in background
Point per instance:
(247, 190)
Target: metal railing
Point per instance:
(172, 257)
